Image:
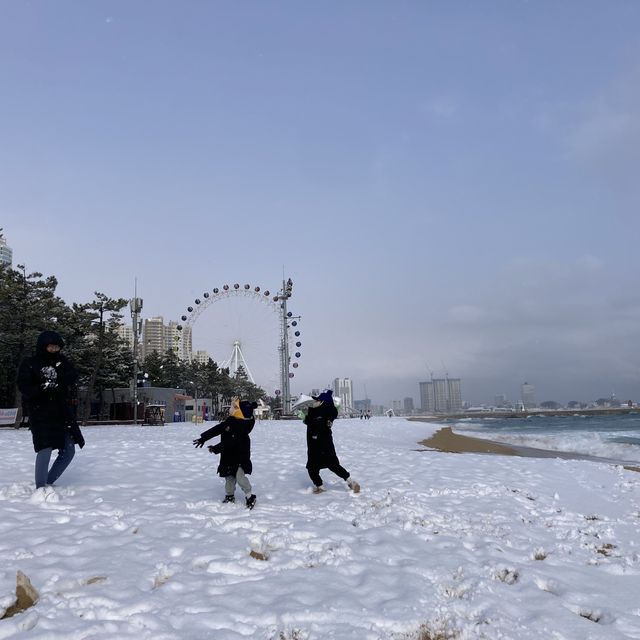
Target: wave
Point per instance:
(592, 443)
(625, 440)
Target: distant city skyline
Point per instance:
(158, 335)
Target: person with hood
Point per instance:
(321, 452)
(234, 449)
(46, 381)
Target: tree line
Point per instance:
(104, 360)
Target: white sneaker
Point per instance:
(353, 485)
(44, 494)
(318, 489)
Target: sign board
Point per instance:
(8, 416)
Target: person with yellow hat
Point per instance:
(234, 449)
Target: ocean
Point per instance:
(608, 436)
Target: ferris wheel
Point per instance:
(288, 332)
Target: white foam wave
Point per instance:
(580, 442)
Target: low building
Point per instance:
(120, 402)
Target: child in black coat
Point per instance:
(321, 452)
(234, 449)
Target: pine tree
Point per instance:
(102, 357)
(28, 306)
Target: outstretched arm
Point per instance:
(208, 434)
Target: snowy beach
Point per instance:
(135, 543)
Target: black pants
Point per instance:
(314, 473)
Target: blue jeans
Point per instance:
(44, 475)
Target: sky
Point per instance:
(452, 187)
(435, 545)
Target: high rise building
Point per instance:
(454, 395)
(6, 253)
(173, 338)
(440, 389)
(126, 333)
(427, 398)
(153, 336)
(159, 338)
(441, 395)
(528, 393)
(408, 406)
(343, 389)
(186, 348)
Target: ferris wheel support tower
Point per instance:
(283, 296)
(237, 360)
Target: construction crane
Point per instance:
(429, 370)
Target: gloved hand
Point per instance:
(217, 448)
(76, 434)
(198, 443)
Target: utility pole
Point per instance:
(136, 307)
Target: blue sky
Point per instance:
(450, 185)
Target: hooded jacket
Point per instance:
(235, 444)
(45, 381)
(321, 452)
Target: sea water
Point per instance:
(607, 436)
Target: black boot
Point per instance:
(251, 501)
(229, 499)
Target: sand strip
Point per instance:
(448, 441)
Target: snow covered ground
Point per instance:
(135, 543)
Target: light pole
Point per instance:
(136, 307)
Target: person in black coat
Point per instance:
(45, 381)
(234, 449)
(321, 452)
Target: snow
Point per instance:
(135, 543)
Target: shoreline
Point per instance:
(447, 441)
(545, 413)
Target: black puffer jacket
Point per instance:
(46, 381)
(235, 444)
(321, 452)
